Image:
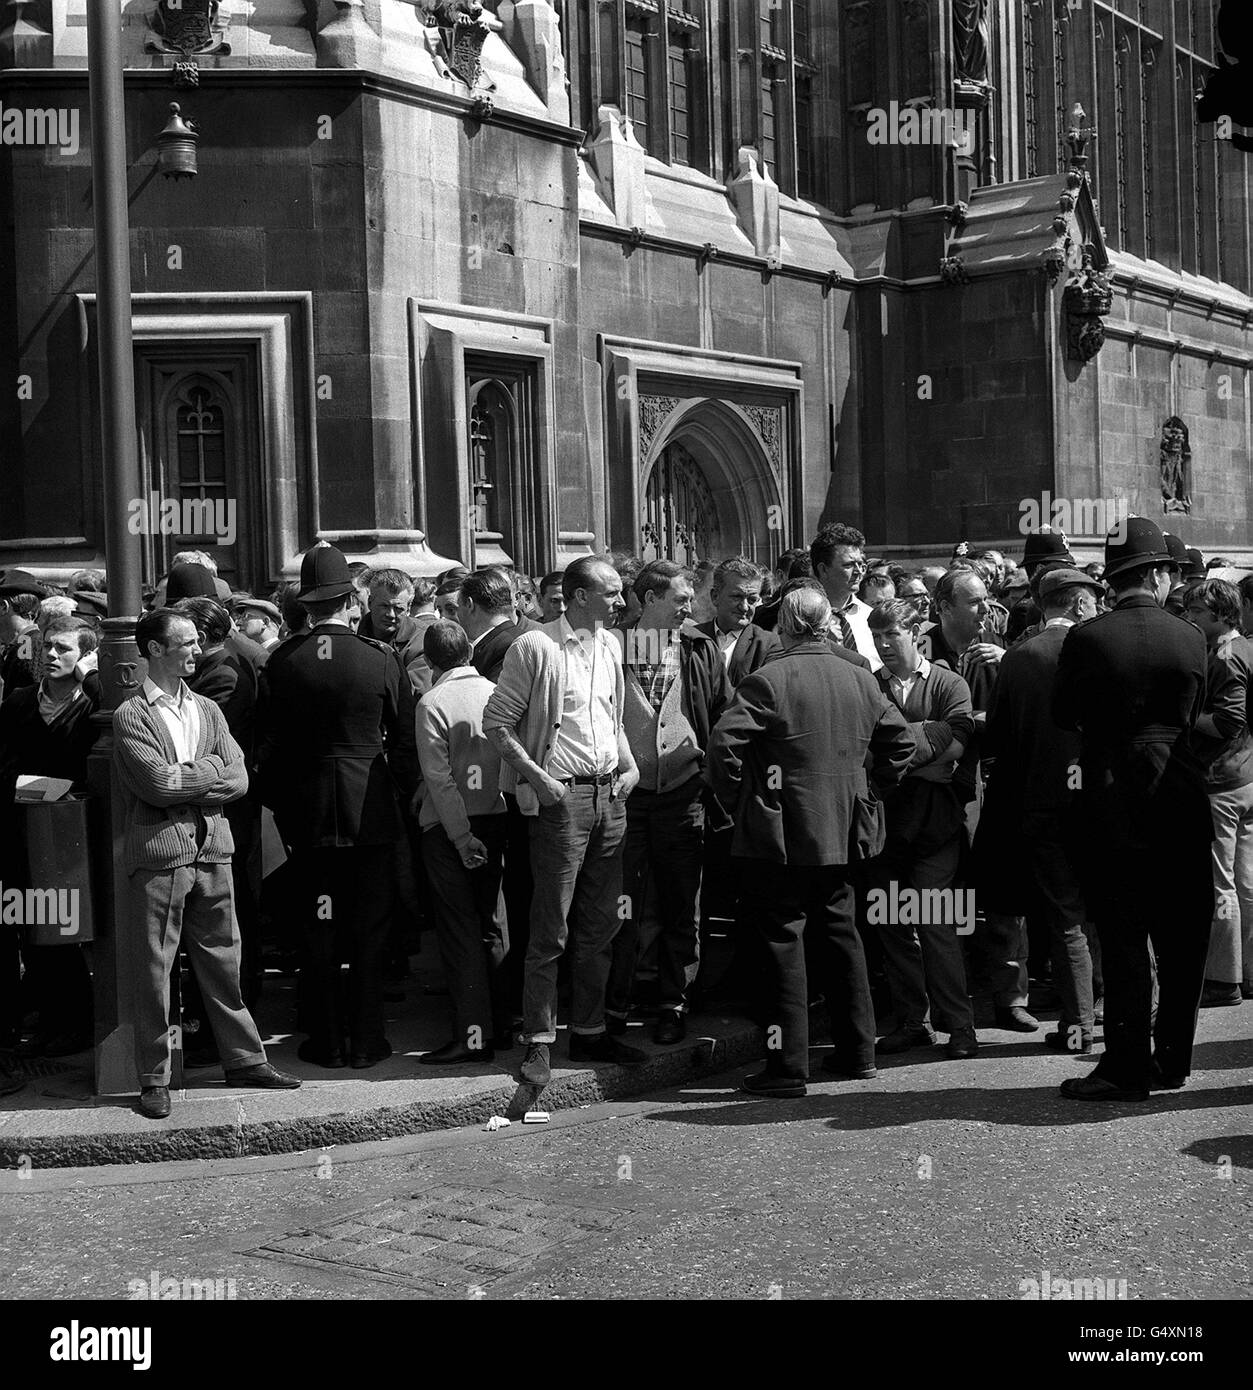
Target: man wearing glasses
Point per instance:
(839, 560)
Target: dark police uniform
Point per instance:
(336, 763)
(1132, 681)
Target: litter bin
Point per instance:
(59, 906)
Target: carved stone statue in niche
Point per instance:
(970, 40)
(1176, 466)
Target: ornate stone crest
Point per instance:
(186, 27)
(464, 25)
(189, 28)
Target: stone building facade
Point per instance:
(525, 280)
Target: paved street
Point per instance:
(938, 1179)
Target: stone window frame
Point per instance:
(279, 324)
(442, 336)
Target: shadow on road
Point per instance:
(1237, 1149)
(858, 1109)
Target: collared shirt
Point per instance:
(727, 642)
(586, 744)
(655, 677)
(1059, 622)
(901, 686)
(856, 613)
(180, 716)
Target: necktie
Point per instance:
(846, 632)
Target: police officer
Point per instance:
(1132, 682)
(337, 763)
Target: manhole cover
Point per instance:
(443, 1237)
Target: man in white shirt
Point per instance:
(839, 561)
(556, 720)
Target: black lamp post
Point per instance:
(115, 960)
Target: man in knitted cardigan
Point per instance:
(178, 765)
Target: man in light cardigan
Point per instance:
(177, 766)
(555, 717)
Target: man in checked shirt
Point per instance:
(676, 687)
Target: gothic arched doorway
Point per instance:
(709, 489)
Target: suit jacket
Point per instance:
(231, 683)
(1132, 682)
(250, 652)
(789, 756)
(489, 651)
(335, 740)
(752, 647)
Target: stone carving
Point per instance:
(970, 41)
(768, 421)
(465, 25)
(654, 412)
(1086, 300)
(953, 271)
(1175, 462)
(186, 27)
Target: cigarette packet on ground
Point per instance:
(535, 1117)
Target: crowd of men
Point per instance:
(909, 795)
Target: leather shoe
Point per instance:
(372, 1056)
(1016, 1020)
(962, 1044)
(1220, 996)
(671, 1027)
(615, 1026)
(762, 1083)
(600, 1047)
(154, 1101)
(263, 1076)
(833, 1066)
(330, 1058)
(1097, 1088)
(1070, 1039)
(1159, 1081)
(535, 1069)
(456, 1054)
(903, 1039)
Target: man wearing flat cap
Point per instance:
(1132, 683)
(337, 762)
(259, 620)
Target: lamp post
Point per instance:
(115, 960)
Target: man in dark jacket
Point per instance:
(788, 759)
(46, 730)
(388, 621)
(676, 686)
(336, 764)
(1029, 812)
(736, 595)
(1132, 681)
(485, 610)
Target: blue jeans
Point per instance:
(576, 863)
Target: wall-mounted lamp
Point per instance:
(176, 146)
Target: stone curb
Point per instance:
(700, 1057)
